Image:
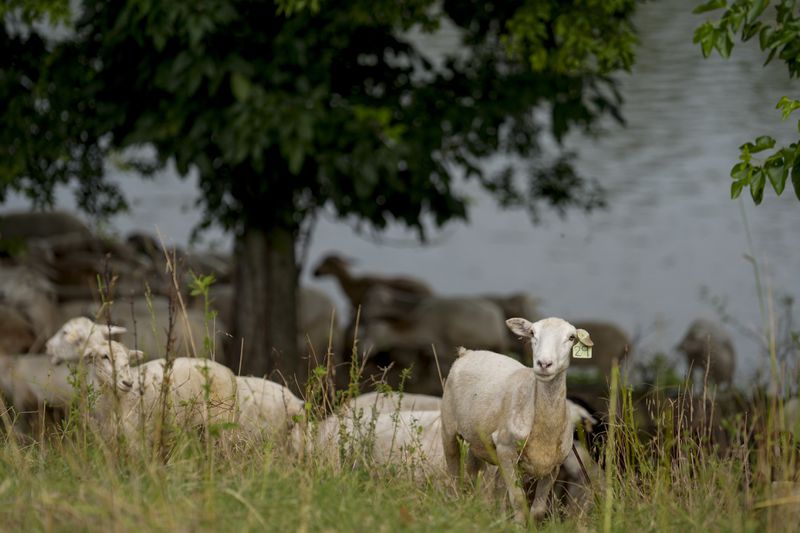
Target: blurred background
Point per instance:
(669, 247)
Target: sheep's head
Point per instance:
(111, 364)
(72, 340)
(551, 340)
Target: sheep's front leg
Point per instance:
(507, 463)
(543, 488)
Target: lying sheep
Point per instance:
(197, 391)
(110, 377)
(31, 383)
(266, 408)
(513, 415)
(707, 342)
(409, 439)
(147, 323)
(390, 402)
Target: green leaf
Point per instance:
(756, 8)
(757, 186)
(709, 6)
(787, 106)
(796, 177)
(240, 86)
(705, 36)
(771, 55)
(736, 188)
(750, 30)
(740, 171)
(764, 142)
(764, 37)
(777, 172)
(723, 42)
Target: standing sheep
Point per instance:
(356, 287)
(707, 342)
(513, 415)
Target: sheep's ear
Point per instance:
(136, 355)
(584, 338)
(520, 326)
(110, 331)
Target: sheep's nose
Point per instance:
(544, 365)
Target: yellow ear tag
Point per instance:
(581, 351)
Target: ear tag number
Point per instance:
(581, 351)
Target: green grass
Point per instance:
(670, 476)
(674, 481)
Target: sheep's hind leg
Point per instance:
(451, 452)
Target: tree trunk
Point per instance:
(265, 307)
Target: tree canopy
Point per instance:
(778, 36)
(332, 106)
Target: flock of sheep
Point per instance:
(515, 418)
(508, 413)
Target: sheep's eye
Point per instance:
(106, 358)
(572, 338)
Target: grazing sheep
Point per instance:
(266, 407)
(510, 414)
(356, 287)
(441, 323)
(707, 342)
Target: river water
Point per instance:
(670, 241)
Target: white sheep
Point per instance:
(146, 324)
(391, 401)
(266, 407)
(195, 391)
(510, 414)
(408, 439)
(30, 383)
(707, 342)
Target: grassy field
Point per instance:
(674, 479)
(671, 462)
